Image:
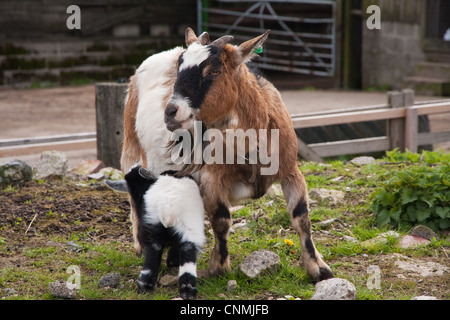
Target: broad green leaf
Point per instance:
(423, 214)
(444, 223)
(383, 217)
(442, 212)
(408, 196)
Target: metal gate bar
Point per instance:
(288, 49)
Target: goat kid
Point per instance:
(170, 212)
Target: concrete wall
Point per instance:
(391, 53)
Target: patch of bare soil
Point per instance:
(36, 212)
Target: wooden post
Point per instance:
(109, 98)
(411, 121)
(411, 129)
(396, 127)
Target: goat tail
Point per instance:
(131, 150)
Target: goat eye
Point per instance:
(214, 72)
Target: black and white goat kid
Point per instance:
(170, 213)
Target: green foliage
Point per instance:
(418, 194)
(426, 157)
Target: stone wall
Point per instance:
(391, 53)
(115, 37)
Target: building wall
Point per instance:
(115, 37)
(391, 53)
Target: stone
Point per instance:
(327, 223)
(258, 261)
(202, 273)
(424, 298)
(411, 241)
(60, 289)
(231, 285)
(424, 232)
(420, 267)
(168, 280)
(51, 164)
(240, 225)
(109, 280)
(350, 239)
(327, 197)
(334, 289)
(15, 172)
(111, 173)
(87, 167)
(96, 176)
(382, 238)
(360, 161)
(275, 190)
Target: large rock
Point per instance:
(424, 232)
(111, 280)
(360, 161)
(60, 289)
(327, 197)
(87, 167)
(334, 289)
(15, 172)
(408, 241)
(51, 164)
(258, 261)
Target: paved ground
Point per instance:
(64, 110)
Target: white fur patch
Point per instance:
(188, 267)
(176, 203)
(194, 55)
(153, 85)
(185, 112)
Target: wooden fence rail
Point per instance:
(403, 126)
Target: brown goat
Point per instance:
(210, 82)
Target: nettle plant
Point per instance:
(416, 194)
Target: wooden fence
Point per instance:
(401, 113)
(403, 126)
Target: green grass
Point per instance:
(268, 227)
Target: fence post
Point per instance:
(396, 127)
(109, 98)
(411, 121)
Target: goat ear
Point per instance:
(203, 39)
(190, 36)
(247, 49)
(144, 173)
(120, 186)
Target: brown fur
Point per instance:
(257, 105)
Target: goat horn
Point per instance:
(222, 41)
(144, 173)
(203, 39)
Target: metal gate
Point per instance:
(302, 37)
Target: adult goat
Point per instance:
(211, 83)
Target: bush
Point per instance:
(417, 194)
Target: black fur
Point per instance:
(190, 82)
(300, 209)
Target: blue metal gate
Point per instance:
(303, 32)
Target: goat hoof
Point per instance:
(144, 286)
(188, 292)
